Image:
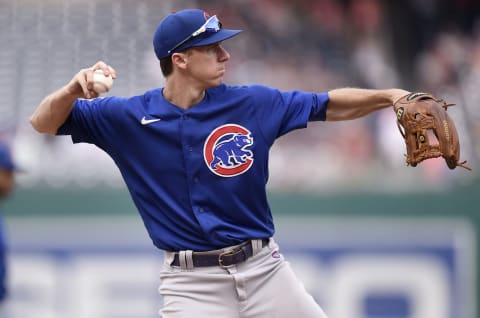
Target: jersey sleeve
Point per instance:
(280, 112)
(92, 121)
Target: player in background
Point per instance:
(7, 184)
(194, 156)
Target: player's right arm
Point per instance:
(55, 108)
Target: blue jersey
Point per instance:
(198, 176)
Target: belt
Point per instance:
(222, 258)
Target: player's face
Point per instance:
(206, 64)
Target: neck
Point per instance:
(182, 95)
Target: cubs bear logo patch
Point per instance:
(227, 150)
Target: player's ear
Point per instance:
(179, 60)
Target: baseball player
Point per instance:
(7, 183)
(194, 156)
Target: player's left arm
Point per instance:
(351, 103)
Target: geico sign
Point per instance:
(95, 286)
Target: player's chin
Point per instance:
(215, 82)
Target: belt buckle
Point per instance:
(227, 253)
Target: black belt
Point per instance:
(221, 258)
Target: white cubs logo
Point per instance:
(226, 150)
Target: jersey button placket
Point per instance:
(189, 156)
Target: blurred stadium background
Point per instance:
(370, 237)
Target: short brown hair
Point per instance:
(166, 66)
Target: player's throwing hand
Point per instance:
(82, 84)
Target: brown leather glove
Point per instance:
(427, 129)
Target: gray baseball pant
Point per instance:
(264, 286)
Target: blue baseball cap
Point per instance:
(6, 161)
(188, 28)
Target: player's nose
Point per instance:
(223, 54)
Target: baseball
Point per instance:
(101, 83)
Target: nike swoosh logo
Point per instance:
(146, 121)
